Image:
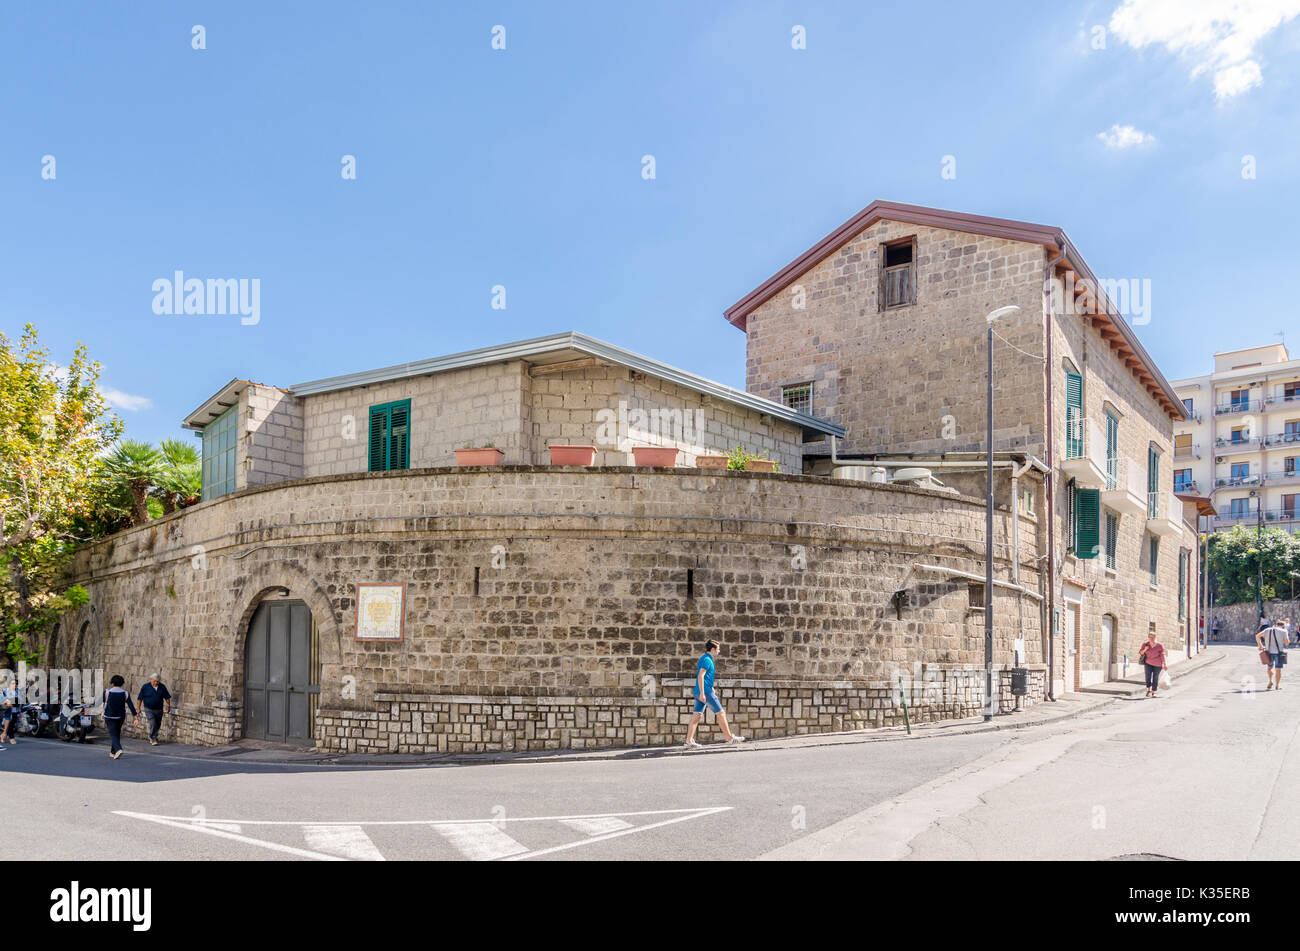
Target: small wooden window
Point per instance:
(898, 273)
(975, 593)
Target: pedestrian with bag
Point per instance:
(155, 700)
(706, 696)
(1152, 655)
(1271, 641)
(116, 700)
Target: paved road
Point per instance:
(1200, 773)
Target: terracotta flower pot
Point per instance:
(760, 465)
(654, 456)
(479, 457)
(711, 462)
(572, 455)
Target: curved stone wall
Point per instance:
(550, 607)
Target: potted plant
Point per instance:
(655, 456)
(747, 461)
(487, 455)
(572, 455)
(705, 461)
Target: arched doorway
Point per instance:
(281, 673)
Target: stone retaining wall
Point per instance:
(550, 608)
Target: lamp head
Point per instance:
(1002, 312)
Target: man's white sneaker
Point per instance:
(691, 743)
(736, 738)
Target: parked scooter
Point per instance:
(32, 719)
(74, 723)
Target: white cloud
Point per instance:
(1125, 137)
(126, 401)
(1217, 36)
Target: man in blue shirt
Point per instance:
(705, 696)
(154, 701)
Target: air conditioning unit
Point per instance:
(1218, 460)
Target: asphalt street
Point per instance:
(1206, 771)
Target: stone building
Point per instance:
(880, 327)
(344, 584)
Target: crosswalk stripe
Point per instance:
(479, 841)
(348, 841)
(597, 825)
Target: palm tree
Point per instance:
(135, 466)
(180, 482)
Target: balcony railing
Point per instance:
(1085, 453)
(1187, 452)
(1281, 476)
(1281, 514)
(1281, 396)
(1165, 513)
(1234, 482)
(1187, 486)
(1283, 439)
(1238, 406)
(1223, 446)
(1126, 486)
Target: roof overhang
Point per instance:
(1204, 506)
(558, 349)
(215, 405)
(1053, 239)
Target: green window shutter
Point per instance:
(1182, 585)
(1071, 511)
(399, 424)
(1073, 413)
(378, 438)
(1087, 507)
(1074, 392)
(1153, 470)
(1155, 557)
(1112, 451)
(1112, 538)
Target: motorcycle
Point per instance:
(74, 723)
(32, 719)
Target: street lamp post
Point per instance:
(1259, 553)
(988, 525)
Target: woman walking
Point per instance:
(1152, 655)
(116, 700)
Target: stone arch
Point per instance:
(268, 578)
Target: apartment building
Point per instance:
(880, 327)
(1240, 443)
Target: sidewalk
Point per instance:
(1065, 707)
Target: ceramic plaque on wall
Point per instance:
(381, 611)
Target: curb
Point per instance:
(1088, 703)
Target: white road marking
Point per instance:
(479, 841)
(348, 841)
(476, 839)
(614, 835)
(210, 829)
(598, 825)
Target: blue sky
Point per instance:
(522, 167)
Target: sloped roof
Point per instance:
(1052, 238)
(552, 350)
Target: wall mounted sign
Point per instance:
(381, 611)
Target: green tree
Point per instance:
(137, 467)
(180, 481)
(1237, 556)
(54, 424)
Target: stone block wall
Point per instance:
(551, 592)
(910, 378)
(271, 435)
